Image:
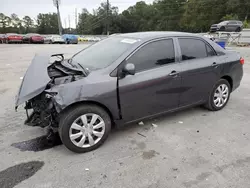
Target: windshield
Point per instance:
(103, 53)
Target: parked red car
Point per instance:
(12, 38)
(33, 38)
(1, 38)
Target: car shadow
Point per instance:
(43, 143)
(168, 117)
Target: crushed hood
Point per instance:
(35, 80)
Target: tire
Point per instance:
(238, 29)
(222, 28)
(73, 115)
(50, 42)
(211, 105)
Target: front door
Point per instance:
(155, 86)
(200, 70)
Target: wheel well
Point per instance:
(89, 103)
(229, 79)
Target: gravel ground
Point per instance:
(192, 148)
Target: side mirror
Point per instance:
(129, 69)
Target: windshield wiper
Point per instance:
(70, 62)
(86, 72)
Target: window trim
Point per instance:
(233, 22)
(209, 46)
(151, 41)
(195, 38)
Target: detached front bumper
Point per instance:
(41, 112)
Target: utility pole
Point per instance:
(76, 17)
(107, 26)
(57, 4)
(69, 21)
(65, 23)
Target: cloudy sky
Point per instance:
(33, 7)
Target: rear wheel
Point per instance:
(84, 128)
(238, 29)
(219, 96)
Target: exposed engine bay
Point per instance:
(43, 112)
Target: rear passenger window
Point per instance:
(153, 55)
(192, 49)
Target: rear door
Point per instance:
(232, 26)
(155, 86)
(200, 70)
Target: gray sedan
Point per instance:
(228, 26)
(126, 78)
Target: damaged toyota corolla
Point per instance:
(126, 78)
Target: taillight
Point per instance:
(242, 61)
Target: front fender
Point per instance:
(84, 90)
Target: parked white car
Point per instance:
(53, 39)
(93, 39)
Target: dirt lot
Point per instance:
(190, 149)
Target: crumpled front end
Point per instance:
(42, 113)
(35, 90)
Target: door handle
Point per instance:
(174, 73)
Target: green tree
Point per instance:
(97, 22)
(200, 14)
(47, 23)
(168, 14)
(28, 24)
(5, 23)
(241, 8)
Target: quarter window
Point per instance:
(210, 51)
(153, 55)
(193, 49)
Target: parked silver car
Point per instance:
(53, 39)
(228, 26)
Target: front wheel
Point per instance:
(222, 28)
(84, 128)
(219, 96)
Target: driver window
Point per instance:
(154, 54)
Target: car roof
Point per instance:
(155, 34)
(233, 21)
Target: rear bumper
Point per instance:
(237, 77)
(58, 42)
(38, 41)
(15, 40)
